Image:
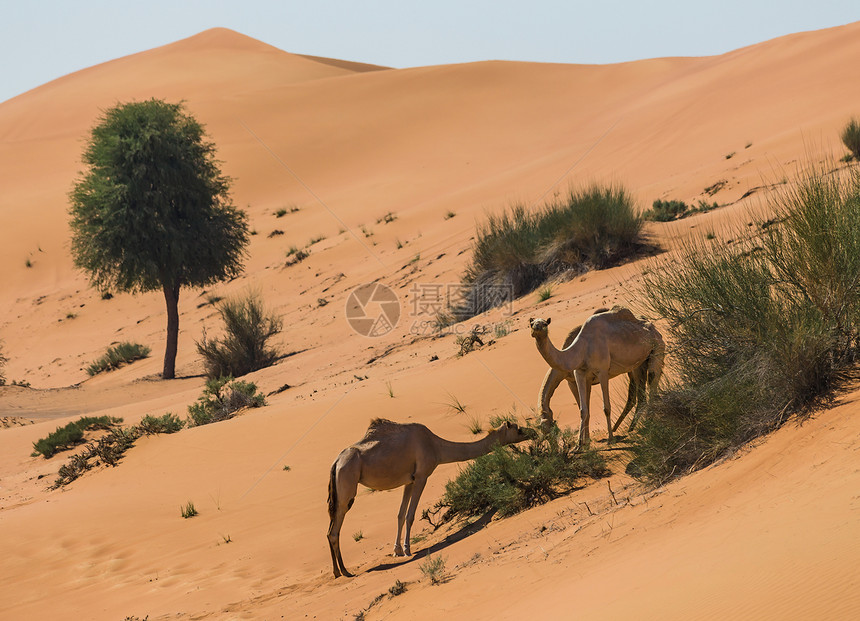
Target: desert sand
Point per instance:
(772, 532)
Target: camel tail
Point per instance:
(332, 491)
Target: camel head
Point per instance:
(511, 433)
(540, 327)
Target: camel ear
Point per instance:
(531, 321)
(507, 424)
(548, 320)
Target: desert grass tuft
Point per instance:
(118, 355)
(434, 569)
(762, 329)
(188, 510)
(244, 347)
(517, 250)
(851, 137)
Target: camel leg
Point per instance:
(401, 518)
(652, 375)
(584, 388)
(417, 489)
(607, 403)
(635, 394)
(631, 400)
(342, 488)
(553, 378)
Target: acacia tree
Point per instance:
(152, 210)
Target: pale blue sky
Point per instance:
(41, 40)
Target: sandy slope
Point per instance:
(772, 534)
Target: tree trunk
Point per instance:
(171, 298)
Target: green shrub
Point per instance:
(117, 356)
(761, 329)
(248, 327)
(510, 479)
(222, 398)
(66, 437)
(518, 250)
(167, 423)
(666, 211)
(851, 138)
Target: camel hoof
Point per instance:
(398, 551)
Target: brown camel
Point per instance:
(554, 377)
(609, 343)
(394, 454)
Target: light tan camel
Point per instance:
(609, 343)
(554, 377)
(394, 454)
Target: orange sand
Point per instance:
(773, 533)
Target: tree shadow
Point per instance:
(466, 530)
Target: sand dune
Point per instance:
(770, 534)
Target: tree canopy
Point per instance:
(152, 210)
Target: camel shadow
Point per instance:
(467, 530)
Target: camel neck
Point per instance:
(562, 360)
(448, 452)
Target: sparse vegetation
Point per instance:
(449, 215)
(434, 569)
(188, 510)
(475, 425)
(108, 450)
(545, 293)
(3, 361)
(316, 239)
(851, 138)
(666, 211)
(454, 404)
(389, 217)
(501, 329)
(295, 255)
(716, 187)
(468, 342)
(511, 479)
(280, 213)
(762, 329)
(222, 398)
(167, 423)
(730, 155)
(116, 356)
(245, 344)
(389, 388)
(275, 233)
(398, 589)
(357, 536)
(516, 251)
(28, 262)
(69, 435)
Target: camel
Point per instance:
(554, 377)
(608, 344)
(394, 454)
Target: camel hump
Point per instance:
(622, 312)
